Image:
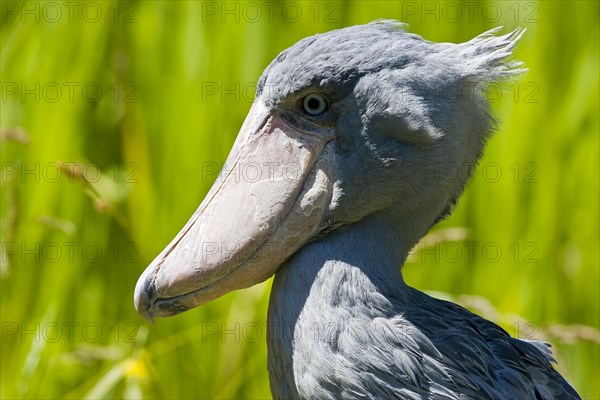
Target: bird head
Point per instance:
(345, 124)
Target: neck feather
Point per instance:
(355, 270)
(375, 247)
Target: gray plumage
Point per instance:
(343, 323)
(389, 111)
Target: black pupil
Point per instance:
(314, 103)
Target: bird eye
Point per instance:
(314, 104)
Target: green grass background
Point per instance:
(69, 329)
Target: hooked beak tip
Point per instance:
(144, 297)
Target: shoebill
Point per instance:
(345, 142)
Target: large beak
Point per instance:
(268, 201)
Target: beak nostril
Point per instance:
(263, 123)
